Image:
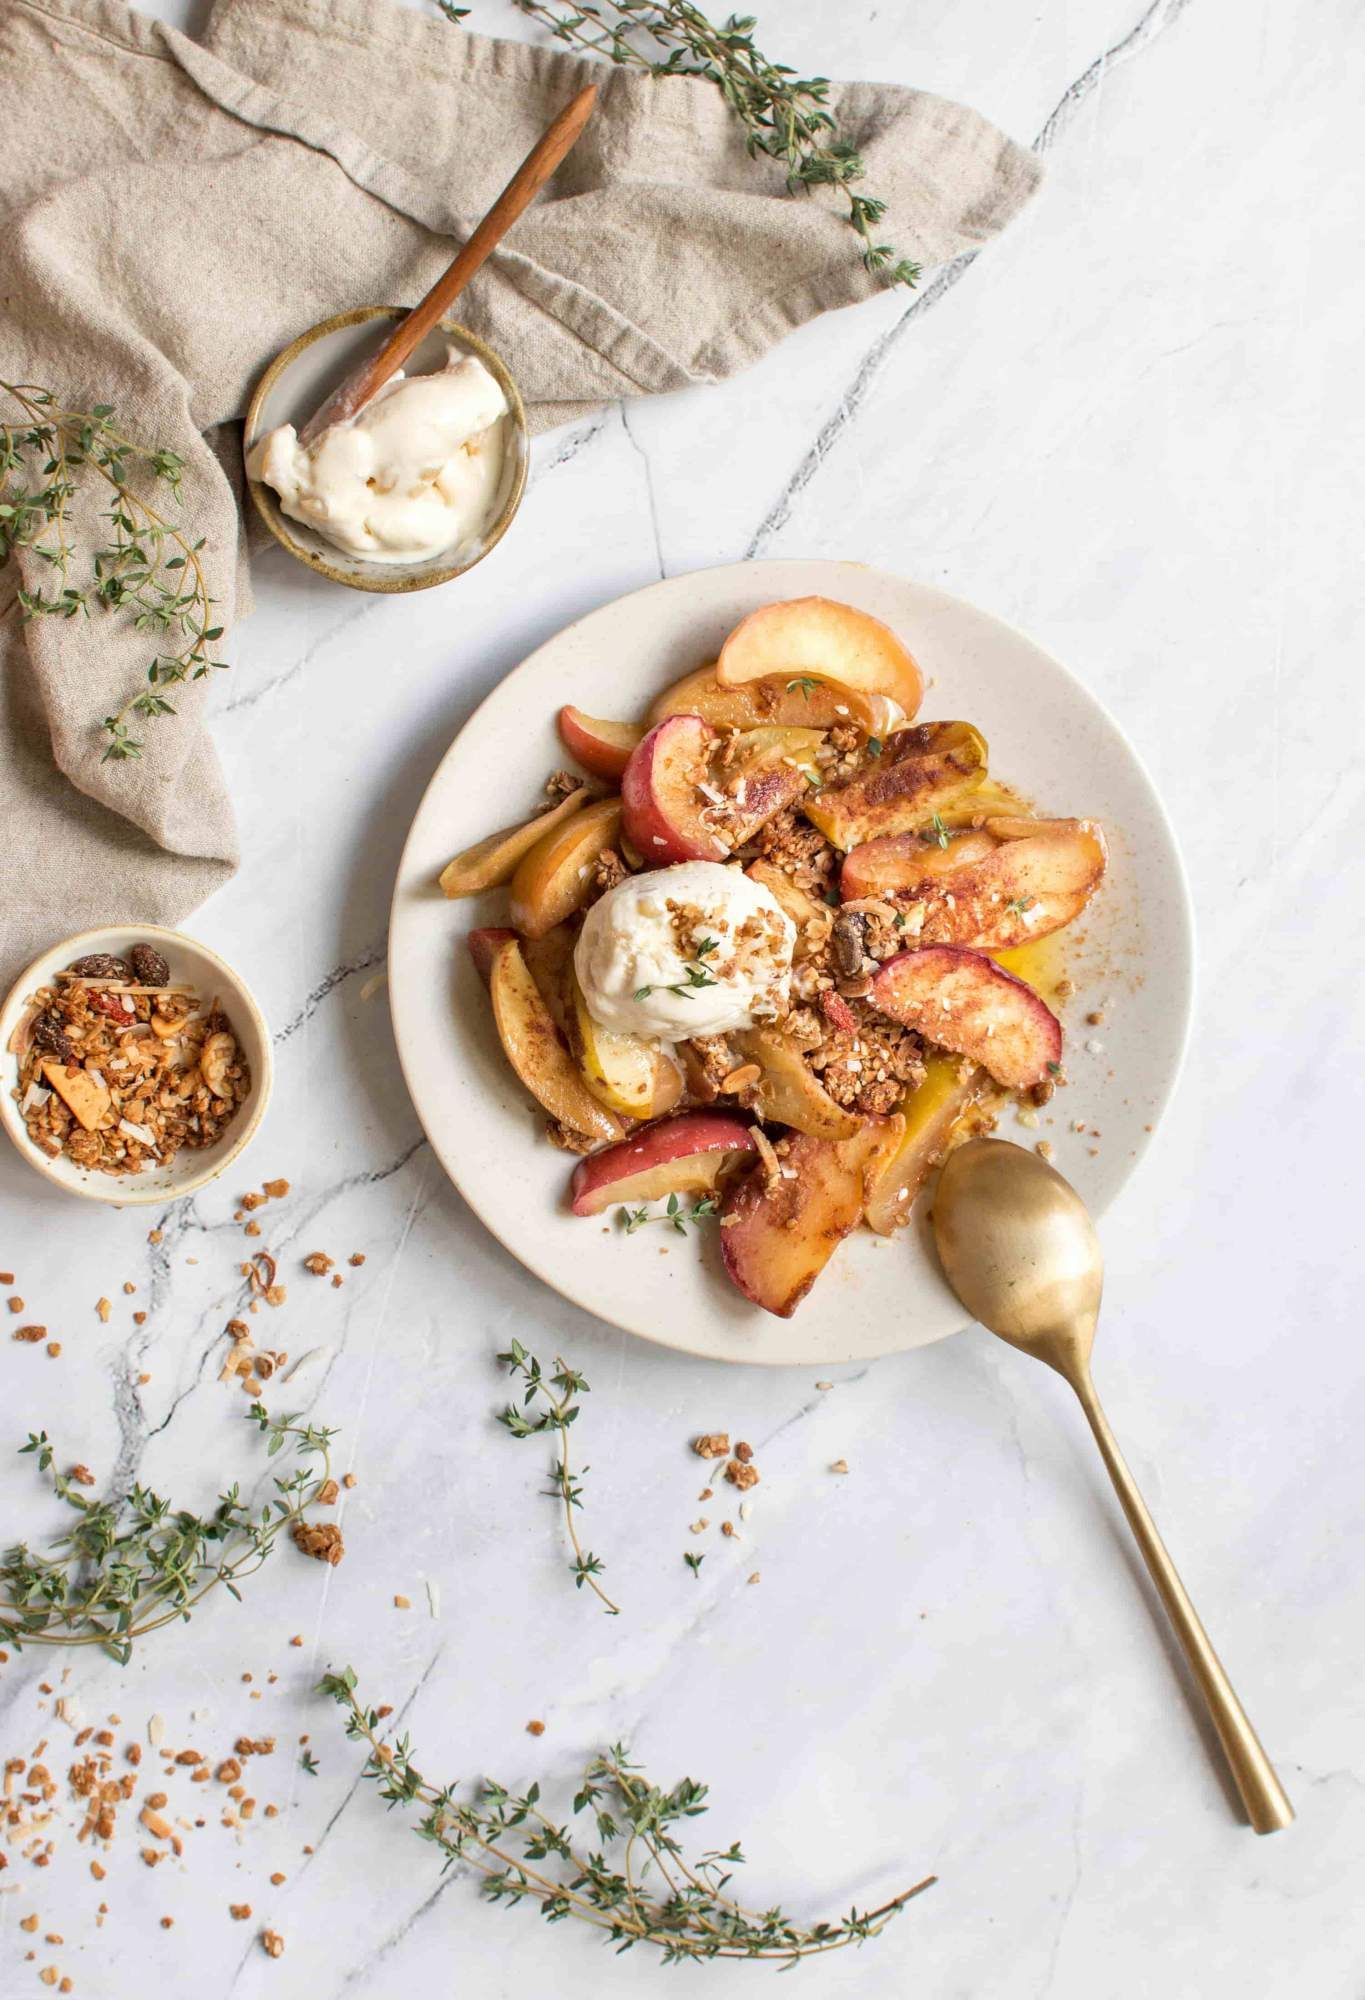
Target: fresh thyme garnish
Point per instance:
(1020, 904)
(874, 746)
(559, 1412)
(805, 682)
(1054, 1068)
(309, 1763)
(696, 975)
(686, 1910)
(936, 833)
(147, 566)
(674, 1214)
(785, 117)
(133, 1564)
(694, 1562)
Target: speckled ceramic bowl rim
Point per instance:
(121, 1192)
(399, 578)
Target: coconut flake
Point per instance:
(142, 1133)
(34, 1098)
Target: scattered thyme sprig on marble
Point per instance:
(147, 566)
(629, 1878)
(558, 1391)
(133, 1564)
(785, 116)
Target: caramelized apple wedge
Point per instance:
(683, 1155)
(483, 947)
(818, 637)
(965, 1002)
(600, 747)
(661, 807)
(794, 701)
(1015, 880)
(625, 1072)
(553, 879)
(930, 1114)
(777, 1236)
(788, 1092)
(920, 772)
(492, 861)
(536, 1052)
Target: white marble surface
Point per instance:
(1134, 429)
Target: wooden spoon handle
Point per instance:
(1262, 1794)
(525, 184)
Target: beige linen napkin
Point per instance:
(174, 213)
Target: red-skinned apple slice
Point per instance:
(600, 747)
(777, 1236)
(921, 771)
(536, 1051)
(808, 703)
(816, 636)
(965, 1002)
(683, 1155)
(483, 945)
(552, 881)
(661, 808)
(1014, 881)
(931, 1114)
(493, 860)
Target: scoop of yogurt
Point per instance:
(416, 473)
(693, 950)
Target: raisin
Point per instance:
(50, 1036)
(100, 965)
(149, 966)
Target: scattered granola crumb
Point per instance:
(54, 1348)
(168, 1923)
(6, 1277)
(401, 1603)
(712, 1444)
(277, 1878)
(337, 1281)
(139, 1319)
(16, 1304)
(32, 1334)
(741, 1475)
(321, 1540)
(297, 1639)
(348, 1480)
(744, 1452)
(839, 1465)
(272, 1944)
(755, 1578)
(707, 1493)
(82, 1475)
(128, 1288)
(1044, 1148)
(357, 1257)
(239, 1911)
(103, 1308)
(824, 1385)
(154, 1235)
(728, 1528)
(277, 1190)
(319, 1263)
(535, 1728)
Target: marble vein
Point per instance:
(368, 959)
(1158, 16)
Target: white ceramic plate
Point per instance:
(210, 976)
(1048, 737)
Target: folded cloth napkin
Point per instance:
(175, 212)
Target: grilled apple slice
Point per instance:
(492, 861)
(930, 1114)
(627, 1073)
(814, 636)
(683, 1155)
(788, 1092)
(965, 1002)
(536, 1052)
(794, 701)
(661, 807)
(777, 1238)
(1013, 881)
(600, 747)
(552, 881)
(921, 771)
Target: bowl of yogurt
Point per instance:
(418, 486)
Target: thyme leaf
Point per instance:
(556, 1392)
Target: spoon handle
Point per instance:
(1262, 1793)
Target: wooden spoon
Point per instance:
(530, 177)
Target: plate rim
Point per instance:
(1183, 908)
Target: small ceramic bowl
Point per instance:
(193, 964)
(298, 381)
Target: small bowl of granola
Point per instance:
(136, 1064)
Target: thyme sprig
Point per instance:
(695, 973)
(148, 566)
(133, 1564)
(629, 1879)
(557, 1392)
(674, 1215)
(785, 116)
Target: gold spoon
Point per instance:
(1021, 1253)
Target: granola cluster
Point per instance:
(120, 1066)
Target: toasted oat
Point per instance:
(319, 1263)
(741, 1475)
(321, 1540)
(277, 1190)
(272, 1944)
(712, 1444)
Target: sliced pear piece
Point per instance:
(492, 861)
(536, 1052)
(788, 1092)
(553, 879)
(930, 1114)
